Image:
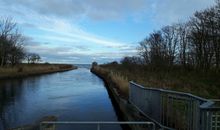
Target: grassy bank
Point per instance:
(117, 87)
(113, 79)
(32, 69)
(198, 83)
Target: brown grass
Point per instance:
(116, 80)
(122, 83)
(32, 69)
(198, 83)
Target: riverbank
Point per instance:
(198, 83)
(118, 91)
(24, 70)
(156, 104)
(119, 83)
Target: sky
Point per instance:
(83, 31)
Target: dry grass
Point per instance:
(201, 84)
(118, 81)
(122, 83)
(31, 69)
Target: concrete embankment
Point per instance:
(25, 70)
(128, 112)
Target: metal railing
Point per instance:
(51, 125)
(175, 110)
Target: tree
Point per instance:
(154, 49)
(205, 37)
(28, 57)
(11, 43)
(171, 39)
(34, 58)
(132, 60)
(195, 43)
(94, 64)
(144, 51)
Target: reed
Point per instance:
(202, 84)
(32, 69)
(116, 80)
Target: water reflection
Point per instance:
(76, 95)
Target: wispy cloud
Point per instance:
(93, 9)
(172, 11)
(56, 28)
(65, 30)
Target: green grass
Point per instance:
(204, 84)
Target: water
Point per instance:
(76, 95)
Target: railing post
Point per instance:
(98, 126)
(41, 126)
(154, 126)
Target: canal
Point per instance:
(76, 95)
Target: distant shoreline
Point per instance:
(25, 70)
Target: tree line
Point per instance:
(12, 45)
(193, 44)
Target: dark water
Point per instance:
(76, 95)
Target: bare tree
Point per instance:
(171, 39)
(11, 43)
(132, 60)
(195, 43)
(205, 38)
(33, 58)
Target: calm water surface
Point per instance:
(76, 95)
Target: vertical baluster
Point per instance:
(98, 126)
(171, 111)
(188, 115)
(41, 126)
(167, 104)
(162, 109)
(216, 121)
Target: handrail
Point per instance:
(159, 105)
(156, 122)
(207, 102)
(97, 123)
(171, 92)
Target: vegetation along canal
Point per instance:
(76, 95)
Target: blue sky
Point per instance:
(83, 31)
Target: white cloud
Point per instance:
(164, 11)
(171, 11)
(58, 23)
(64, 30)
(93, 9)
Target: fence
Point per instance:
(52, 125)
(175, 110)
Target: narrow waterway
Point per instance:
(76, 95)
